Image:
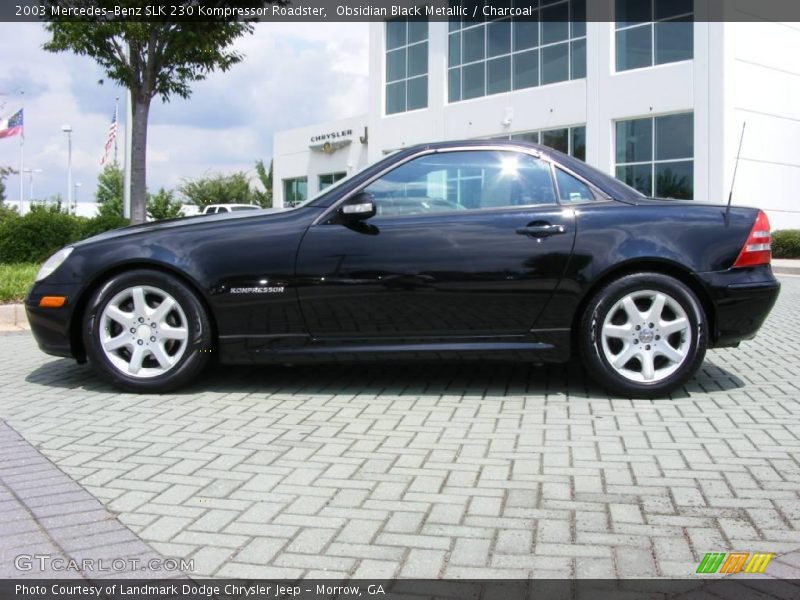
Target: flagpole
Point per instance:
(126, 190)
(22, 156)
(116, 120)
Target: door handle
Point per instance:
(543, 230)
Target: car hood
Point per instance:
(180, 223)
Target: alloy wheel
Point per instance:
(143, 331)
(646, 336)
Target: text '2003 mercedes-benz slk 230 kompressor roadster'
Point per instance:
(488, 250)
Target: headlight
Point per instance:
(52, 263)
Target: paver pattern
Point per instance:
(431, 470)
(58, 529)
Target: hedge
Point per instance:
(35, 236)
(786, 243)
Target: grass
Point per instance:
(15, 279)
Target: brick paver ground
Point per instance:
(52, 527)
(433, 470)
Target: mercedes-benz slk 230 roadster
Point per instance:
(480, 249)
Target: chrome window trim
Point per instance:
(328, 213)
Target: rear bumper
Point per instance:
(51, 327)
(743, 298)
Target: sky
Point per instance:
(292, 75)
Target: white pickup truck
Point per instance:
(213, 209)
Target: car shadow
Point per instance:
(465, 378)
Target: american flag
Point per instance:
(112, 135)
(12, 125)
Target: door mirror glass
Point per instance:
(358, 208)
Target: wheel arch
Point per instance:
(648, 265)
(75, 334)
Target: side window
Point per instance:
(571, 189)
(463, 180)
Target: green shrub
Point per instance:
(786, 243)
(103, 223)
(7, 212)
(35, 236)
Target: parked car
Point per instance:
(480, 249)
(213, 209)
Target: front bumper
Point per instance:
(52, 327)
(742, 299)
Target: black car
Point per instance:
(480, 249)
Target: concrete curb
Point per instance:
(13, 317)
(786, 266)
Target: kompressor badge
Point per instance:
(258, 290)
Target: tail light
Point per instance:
(757, 250)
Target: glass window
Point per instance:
(558, 139)
(498, 41)
(578, 60)
(463, 180)
(555, 63)
(675, 179)
(548, 48)
(295, 191)
(417, 93)
(406, 65)
(634, 48)
(526, 69)
(674, 41)
(578, 143)
(630, 12)
(653, 32)
(417, 60)
(634, 140)
(674, 137)
(498, 75)
(571, 189)
(656, 155)
(329, 179)
(473, 83)
(569, 140)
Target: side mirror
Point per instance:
(359, 208)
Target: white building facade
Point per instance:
(658, 100)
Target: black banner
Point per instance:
(743, 588)
(380, 10)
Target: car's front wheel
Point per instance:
(643, 335)
(145, 331)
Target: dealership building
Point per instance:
(657, 98)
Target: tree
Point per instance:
(162, 205)
(153, 58)
(4, 172)
(264, 199)
(6, 212)
(219, 189)
(109, 192)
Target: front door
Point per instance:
(463, 243)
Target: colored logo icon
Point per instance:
(734, 562)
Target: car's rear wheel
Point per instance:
(643, 335)
(146, 331)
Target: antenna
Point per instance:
(735, 169)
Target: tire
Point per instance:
(145, 331)
(622, 351)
